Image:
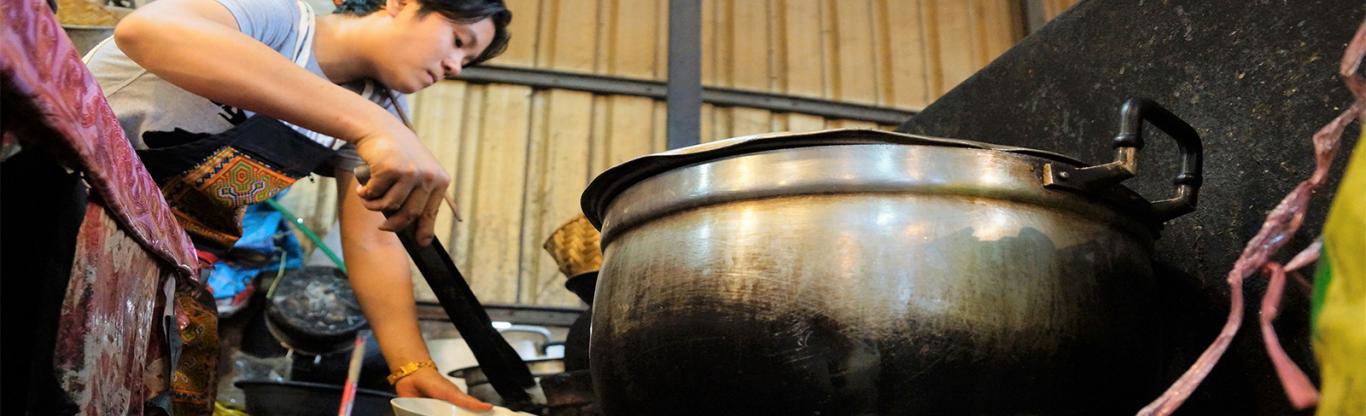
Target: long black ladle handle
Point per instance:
(506, 371)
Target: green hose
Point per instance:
(299, 222)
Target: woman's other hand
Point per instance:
(427, 382)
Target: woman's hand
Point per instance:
(406, 181)
(427, 382)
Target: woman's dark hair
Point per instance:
(462, 11)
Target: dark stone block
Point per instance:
(1255, 78)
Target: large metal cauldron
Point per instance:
(860, 272)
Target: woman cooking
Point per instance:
(230, 101)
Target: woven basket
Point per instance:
(575, 247)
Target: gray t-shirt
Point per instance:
(153, 110)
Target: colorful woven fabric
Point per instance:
(210, 198)
(195, 380)
(238, 180)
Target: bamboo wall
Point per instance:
(521, 156)
(894, 53)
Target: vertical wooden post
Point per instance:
(685, 72)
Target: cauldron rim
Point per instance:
(609, 184)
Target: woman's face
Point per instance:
(426, 48)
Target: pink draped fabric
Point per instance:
(40, 64)
(112, 354)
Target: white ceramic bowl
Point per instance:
(420, 406)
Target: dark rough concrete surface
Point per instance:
(1255, 78)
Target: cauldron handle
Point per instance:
(1127, 144)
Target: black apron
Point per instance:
(208, 184)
